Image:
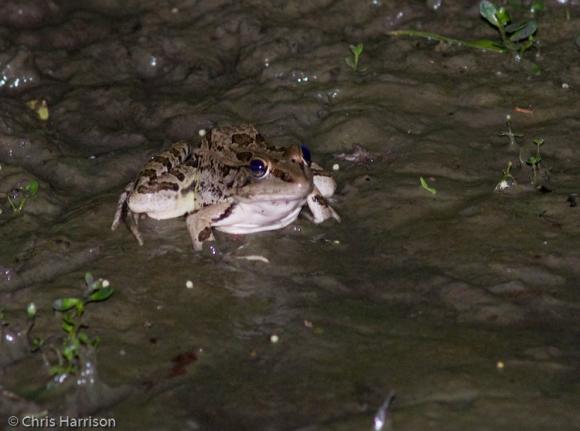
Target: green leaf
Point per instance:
(426, 186)
(537, 6)
(31, 188)
(534, 160)
(89, 279)
(31, 310)
(68, 326)
(70, 351)
(65, 304)
(349, 62)
(84, 338)
(515, 26)
(101, 294)
(488, 10)
(539, 142)
(486, 44)
(357, 50)
(525, 32)
(503, 17)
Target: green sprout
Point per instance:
(29, 191)
(70, 355)
(426, 186)
(352, 62)
(507, 180)
(509, 133)
(515, 38)
(535, 159)
(35, 343)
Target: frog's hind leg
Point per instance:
(123, 213)
(122, 206)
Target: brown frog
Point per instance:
(234, 181)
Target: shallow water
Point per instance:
(464, 302)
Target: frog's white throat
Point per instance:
(251, 217)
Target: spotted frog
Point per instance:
(234, 181)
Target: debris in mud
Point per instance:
(180, 363)
(382, 419)
(254, 258)
(572, 200)
(358, 155)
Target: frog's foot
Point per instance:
(123, 213)
(320, 208)
(199, 223)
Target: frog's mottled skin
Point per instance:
(214, 186)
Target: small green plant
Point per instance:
(507, 180)
(534, 160)
(76, 339)
(28, 191)
(515, 38)
(509, 133)
(426, 186)
(34, 342)
(356, 51)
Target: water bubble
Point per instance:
(213, 250)
(6, 274)
(434, 4)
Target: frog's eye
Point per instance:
(305, 154)
(258, 167)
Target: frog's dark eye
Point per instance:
(305, 154)
(258, 167)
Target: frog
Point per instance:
(234, 181)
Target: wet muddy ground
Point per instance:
(465, 303)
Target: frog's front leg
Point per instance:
(199, 223)
(124, 213)
(320, 208)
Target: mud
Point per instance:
(465, 303)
